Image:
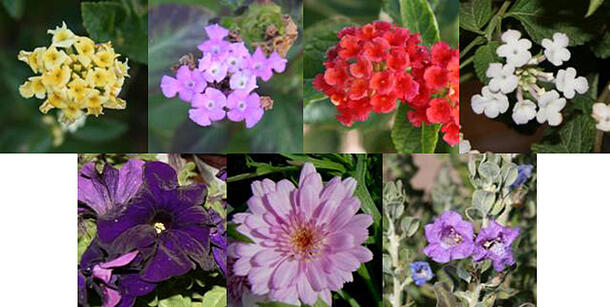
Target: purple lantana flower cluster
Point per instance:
(451, 238)
(149, 229)
(223, 83)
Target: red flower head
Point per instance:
(375, 65)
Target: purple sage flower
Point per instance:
(421, 272)
(109, 191)
(525, 172)
(166, 223)
(243, 106)
(494, 242)
(307, 239)
(208, 107)
(449, 238)
(187, 83)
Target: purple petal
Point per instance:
(159, 176)
(167, 261)
(130, 180)
(216, 32)
(221, 259)
(132, 285)
(111, 297)
(169, 86)
(120, 261)
(200, 116)
(277, 62)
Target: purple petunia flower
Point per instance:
(166, 223)
(218, 237)
(449, 238)
(243, 106)
(494, 242)
(421, 272)
(109, 191)
(115, 288)
(208, 107)
(307, 239)
(187, 83)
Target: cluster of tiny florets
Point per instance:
(379, 63)
(521, 73)
(222, 84)
(76, 74)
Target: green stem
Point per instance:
(261, 173)
(466, 62)
(466, 77)
(474, 42)
(352, 302)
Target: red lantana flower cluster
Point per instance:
(374, 65)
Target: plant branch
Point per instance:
(467, 61)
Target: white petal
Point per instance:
(511, 35)
(561, 39)
(581, 85)
(494, 70)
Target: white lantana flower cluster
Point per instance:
(521, 73)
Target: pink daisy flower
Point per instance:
(307, 239)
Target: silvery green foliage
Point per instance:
(478, 186)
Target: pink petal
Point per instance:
(268, 186)
(242, 267)
(345, 261)
(347, 209)
(362, 253)
(306, 293)
(315, 275)
(279, 202)
(266, 257)
(120, 261)
(350, 185)
(200, 116)
(341, 241)
(259, 279)
(362, 220)
(255, 204)
(102, 273)
(288, 295)
(169, 86)
(307, 169)
(246, 250)
(308, 200)
(111, 297)
(285, 185)
(285, 274)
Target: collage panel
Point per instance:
(381, 76)
(304, 230)
(72, 76)
(534, 75)
(460, 230)
(225, 76)
(151, 230)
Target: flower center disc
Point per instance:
(304, 241)
(159, 227)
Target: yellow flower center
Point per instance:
(159, 227)
(305, 241)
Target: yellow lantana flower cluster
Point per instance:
(76, 74)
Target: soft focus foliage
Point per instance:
(175, 30)
(471, 190)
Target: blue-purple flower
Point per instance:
(109, 191)
(227, 68)
(525, 172)
(166, 223)
(449, 238)
(494, 242)
(421, 272)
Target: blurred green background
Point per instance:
(23, 26)
(323, 19)
(175, 29)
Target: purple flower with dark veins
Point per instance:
(218, 237)
(109, 191)
(449, 238)
(166, 223)
(243, 106)
(187, 83)
(208, 107)
(494, 242)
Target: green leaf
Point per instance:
(593, 6)
(175, 301)
(409, 226)
(320, 37)
(101, 129)
(14, 8)
(234, 234)
(405, 136)
(484, 56)
(87, 232)
(310, 94)
(475, 14)
(541, 21)
(320, 303)
(576, 136)
(367, 203)
(489, 170)
(418, 16)
(601, 47)
(444, 297)
(217, 297)
(429, 137)
(120, 24)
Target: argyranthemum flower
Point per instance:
(165, 222)
(307, 239)
(77, 76)
(494, 242)
(449, 238)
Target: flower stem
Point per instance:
(467, 61)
